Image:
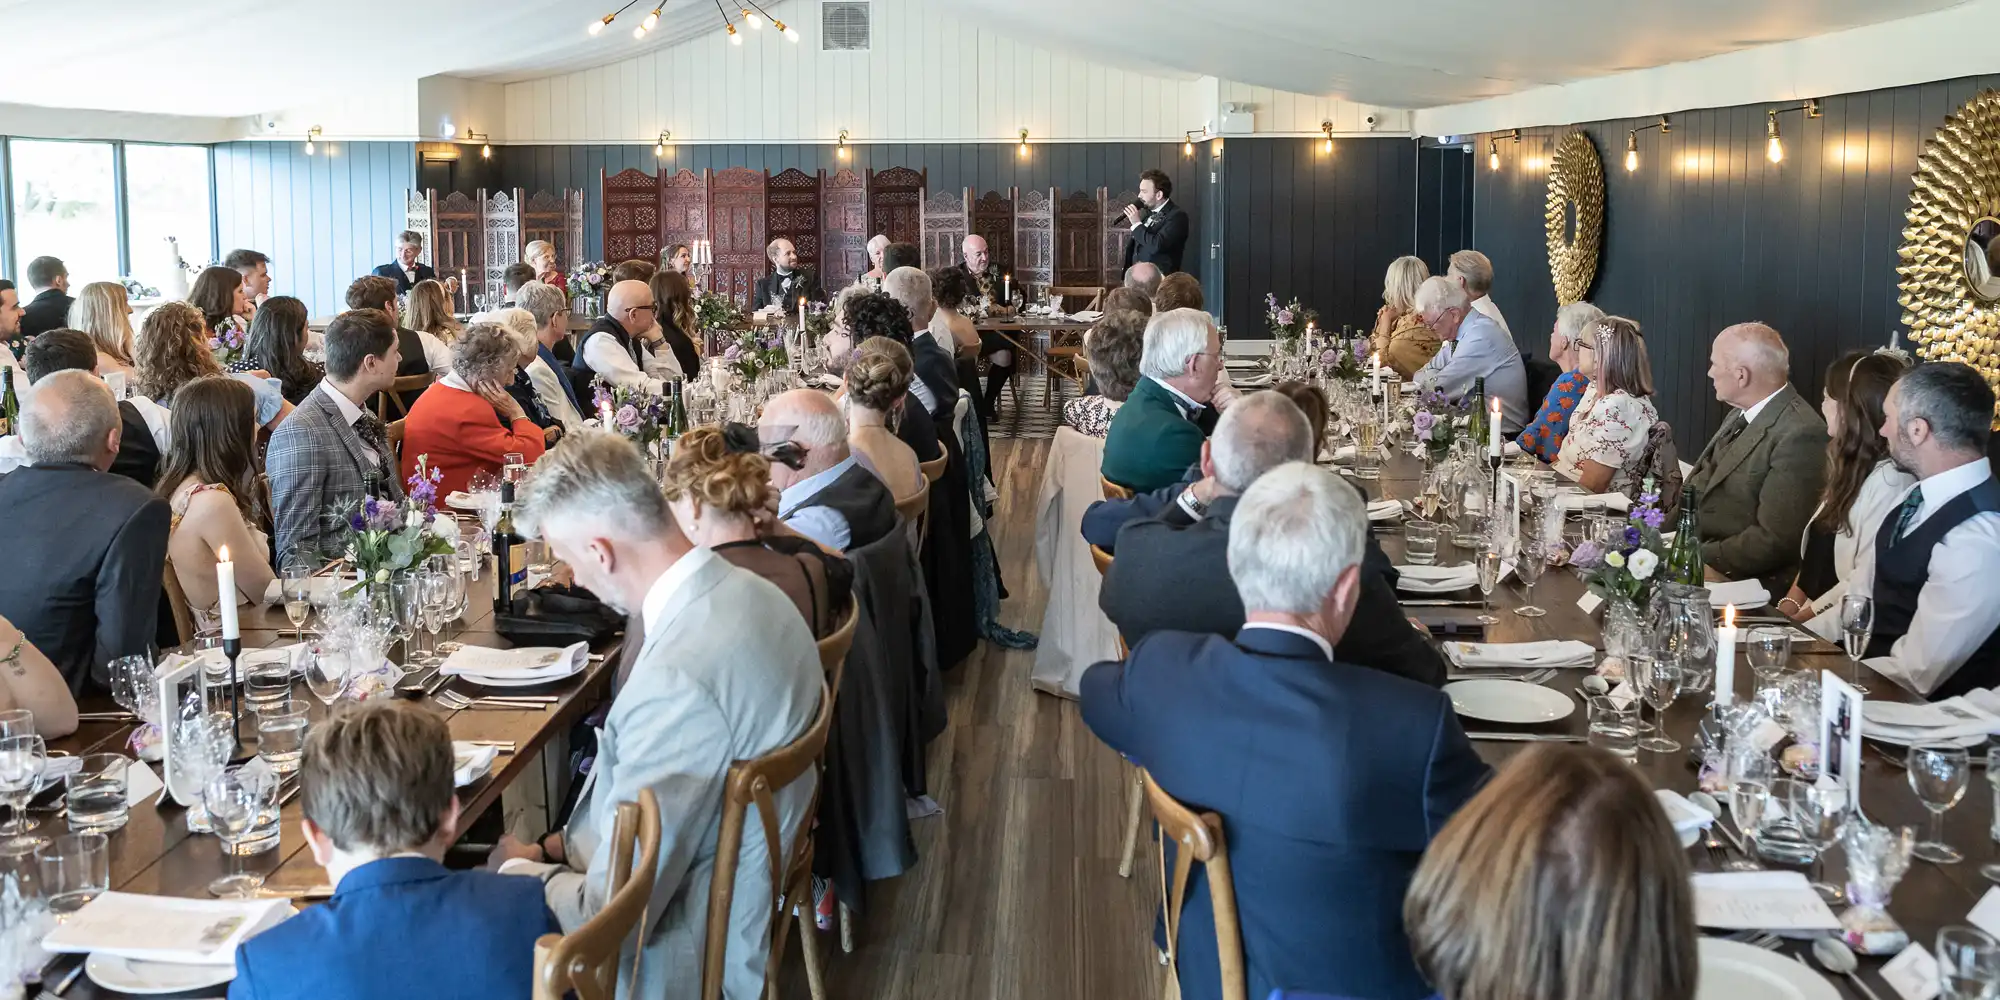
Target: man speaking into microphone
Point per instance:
(1160, 230)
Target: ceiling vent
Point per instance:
(843, 26)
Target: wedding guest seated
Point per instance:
(877, 383)
(376, 790)
(422, 353)
(1473, 272)
(1331, 779)
(1179, 290)
(1761, 472)
(104, 313)
(953, 330)
(828, 496)
(876, 244)
(701, 696)
(899, 255)
(840, 339)
(1400, 336)
(717, 485)
(673, 302)
(1155, 436)
(788, 281)
(333, 453)
(255, 267)
(10, 326)
(218, 294)
(1605, 446)
(1862, 484)
(622, 345)
(541, 255)
(1543, 437)
(88, 546)
(406, 270)
(144, 425)
(1475, 347)
(549, 308)
(467, 423)
(1128, 299)
(173, 351)
(679, 259)
(431, 312)
(48, 278)
(875, 314)
(1937, 614)
(1311, 401)
(1112, 347)
(512, 278)
(936, 382)
(976, 263)
(1144, 278)
(30, 681)
(520, 326)
(278, 343)
(209, 481)
(632, 270)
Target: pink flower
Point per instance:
(1284, 317)
(627, 417)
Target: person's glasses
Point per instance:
(790, 454)
(1585, 345)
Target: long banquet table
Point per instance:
(1929, 897)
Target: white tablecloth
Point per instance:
(1075, 633)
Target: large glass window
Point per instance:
(65, 206)
(166, 197)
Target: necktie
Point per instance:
(1907, 512)
(373, 434)
(1731, 429)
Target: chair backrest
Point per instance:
(1113, 491)
(394, 432)
(585, 961)
(834, 648)
(757, 782)
(1101, 559)
(177, 598)
(1064, 292)
(393, 399)
(1662, 461)
(933, 470)
(1198, 838)
(915, 510)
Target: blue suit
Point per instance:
(394, 270)
(1330, 780)
(403, 927)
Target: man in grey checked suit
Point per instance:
(727, 671)
(332, 451)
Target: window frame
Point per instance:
(121, 201)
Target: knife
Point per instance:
(1441, 603)
(1525, 737)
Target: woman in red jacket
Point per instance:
(467, 422)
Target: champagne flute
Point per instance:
(1489, 577)
(298, 591)
(1534, 559)
(1661, 684)
(1938, 775)
(1857, 623)
(22, 759)
(236, 801)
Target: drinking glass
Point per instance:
(298, 571)
(1750, 777)
(94, 794)
(457, 578)
(1659, 679)
(22, 759)
(407, 593)
(1420, 542)
(325, 672)
(76, 868)
(1614, 725)
(538, 557)
(513, 466)
(1968, 961)
(1857, 623)
(1534, 559)
(1938, 774)
(1992, 870)
(1818, 813)
(236, 800)
(1489, 562)
(1368, 448)
(438, 603)
(19, 721)
(266, 681)
(1769, 650)
(281, 734)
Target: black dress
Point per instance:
(1816, 572)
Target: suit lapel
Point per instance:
(1752, 435)
(349, 439)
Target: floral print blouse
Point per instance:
(1611, 431)
(1543, 437)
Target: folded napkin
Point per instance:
(1949, 719)
(1595, 501)
(1684, 815)
(1382, 510)
(523, 665)
(1742, 593)
(1436, 579)
(1561, 653)
(1087, 316)
(165, 928)
(321, 589)
(1251, 381)
(1344, 453)
(471, 762)
(1510, 449)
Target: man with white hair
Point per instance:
(788, 282)
(937, 374)
(622, 344)
(874, 275)
(1474, 273)
(89, 546)
(1760, 475)
(826, 494)
(1474, 348)
(406, 270)
(1156, 436)
(1543, 437)
(977, 262)
(1144, 278)
(1331, 779)
(548, 309)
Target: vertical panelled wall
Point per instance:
(1708, 232)
(324, 219)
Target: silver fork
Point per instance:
(458, 702)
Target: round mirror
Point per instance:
(1982, 259)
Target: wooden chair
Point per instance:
(585, 961)
(394, 431)
(1198, 838)
(1135, 811)
(833, 649)
(933, 470)
(1113, 491)
(1065, 292)
(756, 782)
(178, 599)
(915, 511)
(1101, 559)
(384, 401)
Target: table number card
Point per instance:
(1913, 973)
(1589, 603)
(1986, 915)
(1507, 512)
(1840, 736)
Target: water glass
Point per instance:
(20, 721)
(1938, 774)
(281, 734)
(237, 801)
(22, 759)
(1750, 778)
(1968, 962)
(1769, 650)
(538, 557)
(1614, 725)
(75, 868)
(1659, 679)
(1857, 624)
(1529, 567)
(513, 466)
(1991, 869)
(94, 794)
(1368, 448)
(266, 681)
(1420, 542)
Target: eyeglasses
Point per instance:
(1586, 344)
(644, 308)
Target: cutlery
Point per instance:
(1440, 603)
(1838, 958)
(458, 702)
(1525, 737)
(106, 717)
(67, 982)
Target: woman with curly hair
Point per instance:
(103, 311)
(173, 351)
(278, 345)
(719, 489)
(878, 386)
(430, 311)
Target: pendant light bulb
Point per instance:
(652, 20)
(639, 32)
(1632, 151)
(1492, 155)
(1774, 148)
(791, 34)
(597, 26)
(734, 38)
(755, 22)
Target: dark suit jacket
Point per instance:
(402, 927)
(45, 312)
(1330, 780)
(918, 430)
(138, 454)
(91, 548)
(1159, 239)
(394, 269)
(939, 372)
(1150, 441)
(1759, 492)
(804, 282)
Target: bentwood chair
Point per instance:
(1093, 295)
(1198, 838)
(833, 649)
(178, 599)
(394, 432)
(393, 399)
(1113, 491)
(584, 962)
(915, 511)
(756, 782)
(1135, 812)
(933, 470)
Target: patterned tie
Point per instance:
(1907, 512)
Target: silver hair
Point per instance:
(877, 242)
(599, 479)
(68, 418)
(1144, 276)
(1297, 528)
(1573, 318)
(815, 418)
(1952, 397)
(1172, 337)
(912, 287)
(530, 249)
(544, 301)
(1260, 432)
(1477, 271)
(409, 238)
(485, 352)
(1440, 292)
(519, 324)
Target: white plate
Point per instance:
(518, 682)
(1899, 740)
(131, 975)
(1508, 701)
(468, 501)
(1734, 971)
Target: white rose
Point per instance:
(1644, 562)
(1614, 560)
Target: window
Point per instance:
(65, 206)
(166, 196)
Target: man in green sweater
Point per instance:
(1154, 437)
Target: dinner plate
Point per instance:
(143, 978)
(467, 501)
(1731, 970)
(519, 682)
(1508, 701)
(1901, 739)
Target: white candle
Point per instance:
(1375, 375)
(604, 413)
(1725, 658)
(225, 593)
(464, 292)
(1007, 287)
(802, 314)
(1493, 432)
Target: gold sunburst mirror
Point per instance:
(1949, 278)
(1575, 216)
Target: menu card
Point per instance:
(1767, 901)
(165, 928)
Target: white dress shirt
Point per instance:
(1318, 639)
(1486, 307)
(606, 357)
(1957, 608)
(1188, 406)
(821, 524)
(1881, 492)
(348, 412)
(437, 354)
(924, 394)
(548, 389)
(1750, 415)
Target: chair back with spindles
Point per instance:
(1093, 295)
(584, 962)
(1113, 491)
(1198, 837)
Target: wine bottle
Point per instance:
(510, 563)
(1476, 423)
(1684, 562)
(10, 405)
(677, 418)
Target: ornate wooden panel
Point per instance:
(945, 226)
(546, 216)
(736, 215)
(792, 211)
(683, 208)
(417, 213)
(1080, 238)
(631, 201)
(461, 238)
(844, 216)
(502, 228)
(896, 204)
(572, 246)
(993, 217)
(1034, 237)
(1117, 232)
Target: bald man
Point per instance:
(976, 260)
(624, 345)
(987, 282)
(1144, 278)
(826, 494)
(1761, 474)
(787, 282)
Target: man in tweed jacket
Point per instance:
(331, 451)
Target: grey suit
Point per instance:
(728, 672)
(1759, 484)
(317, 463)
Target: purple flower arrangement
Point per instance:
(227, 343)
(1287, 320)
(756, 352)
(1627, 570)
(385, 537)
(590, 278)
(635, 413)
(1435, 422)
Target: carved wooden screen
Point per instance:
(844, 247)
(993, 217)
(1080, 239)
(1034, 237)
(544, 217)
(502, 226)
(461, 237)
(683, 208)
(944, 227)
(572, 246)
(793, 213)
(736, 207)
(631, 216)
(895, 204)
(418, 210)
(1117, 232)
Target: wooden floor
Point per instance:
(1016, 894)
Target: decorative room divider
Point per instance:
(479, 236)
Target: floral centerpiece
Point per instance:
(229, 341)
(1289, 320)
(385, 537)
(1434, 422)
(754, 353)
(713, 311)
(635, 413)
(1627, 570)
(1349, 363)
(819, 322)
(590, 278)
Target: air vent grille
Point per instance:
(843, 26)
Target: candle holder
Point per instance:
(232, 648)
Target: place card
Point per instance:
(1763, 900)
(1589, 603)
(1986, 915)
(140, 783)
(1913, 973)
(1840, 736)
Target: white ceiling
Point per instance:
(240, 57)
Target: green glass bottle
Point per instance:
(10, 405)
(1684, 562)
(1475, 425)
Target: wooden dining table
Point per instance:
(1034, 337)
(1930, 896)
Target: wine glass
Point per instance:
(237, 800)
(22, 759)
(1938, 774)
(460, 598)
(1489, 577)
(1534, 559)
(1968, 962)
(1769, 649)
(437, 604)
(20, 721)
(1819, 813)
(298, 571)
(1660, 682)
(407, 592)
(1857, 623)
(325, 673)
(1750, 777)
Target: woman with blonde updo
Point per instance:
(719, 488)
(878, 380)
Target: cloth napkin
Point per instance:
(1436, 579)
(1382, 510)
(1593, 501)
(1344, 453)
(1087, 316)
(528, 663)
(1509, 449)
(1683, 814)
(1742, 593)
(1950, 719)
(1560, 653)
(322, 589)
(471, 762)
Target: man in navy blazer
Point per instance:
(406, 270)
(377, 782)
(1330, 779)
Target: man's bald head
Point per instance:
(911, 287)
(1748, 362)
(72, 418)
(811, 419)
(631, 304)
(1143, 276)
(975, 253)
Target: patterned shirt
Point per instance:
(1543, 437)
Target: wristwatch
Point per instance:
(1194, 505)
